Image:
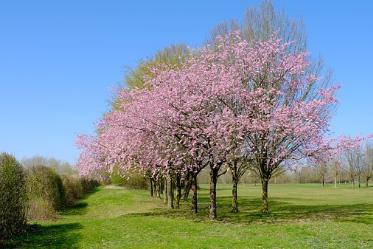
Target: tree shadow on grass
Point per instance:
(47, 236)
(54, 235)
(282, 210)
(79, 208)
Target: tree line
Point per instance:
(250, 99)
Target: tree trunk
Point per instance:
(353, 182)
(335, 181)
(161, 185)
(234, 193)
(165, 196)
(194, 197)
(359, 181)
(265, 195)
(158, 187)
(367, 182)
(178, 190)
(151, 187)
(187, 186)
(213, 181)
(170, 192)
(154, 188)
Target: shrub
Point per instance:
(45, 191)
(12, 197)
(88, 184)
(73, 189)
(41, 209)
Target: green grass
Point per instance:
(302, 216)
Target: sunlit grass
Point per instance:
(302, 216)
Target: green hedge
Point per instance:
(73, 189)
(76, 188)
(88, 185)
(45, 191)
(13, 199)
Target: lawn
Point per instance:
(302, 216)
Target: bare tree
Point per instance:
(260, 23)
(336, 169)
(322, 170)
(60, 166)
(368, 164)
(355, 165)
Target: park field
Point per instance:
(302, 216)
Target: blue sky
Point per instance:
(60, 61)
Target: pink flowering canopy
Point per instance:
(234, 99)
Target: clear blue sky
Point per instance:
(60, 61)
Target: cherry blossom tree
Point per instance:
(232, 103)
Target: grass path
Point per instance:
(302, 216)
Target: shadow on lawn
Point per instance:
(281, 211)
(54, 235)
(80, 207)
(47, 236)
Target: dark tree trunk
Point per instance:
(359, 181)
(265, 195)
(367, 182)
(165, 196)
(194, 197)
(151, 187)
(162, 186)
(154, 188)
(188, 185)
(234, 193)
(170, 192)
(213, 181)
(158, 187)
(323, 181)
(178, 190)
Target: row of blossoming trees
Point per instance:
(232, 105)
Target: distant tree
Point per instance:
(355, 164)
(61, 167)
(323, 170)
(336, 169)
(352, 157)
(368, 164)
